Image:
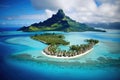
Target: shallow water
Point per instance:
(44, 68)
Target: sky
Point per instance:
(26, 12)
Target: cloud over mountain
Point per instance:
(83, 10)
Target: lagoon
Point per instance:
(100, 63)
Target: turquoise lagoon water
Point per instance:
(81, 68)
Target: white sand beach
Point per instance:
(68, 57)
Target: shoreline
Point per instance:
(67, 56)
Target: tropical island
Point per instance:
(55, 40)
(59, 22)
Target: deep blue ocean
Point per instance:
(82, 68)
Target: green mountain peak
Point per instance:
(59, 22)
(60, 13)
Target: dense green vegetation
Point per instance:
(92, 41)
(59, 22)
(54, 40)
(73, 51)
(51, 39)
(84, 47)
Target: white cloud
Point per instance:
(49, 13)
(33, 17)
(82, 10)
(79, 10)
(40, 17)
(27, 19)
